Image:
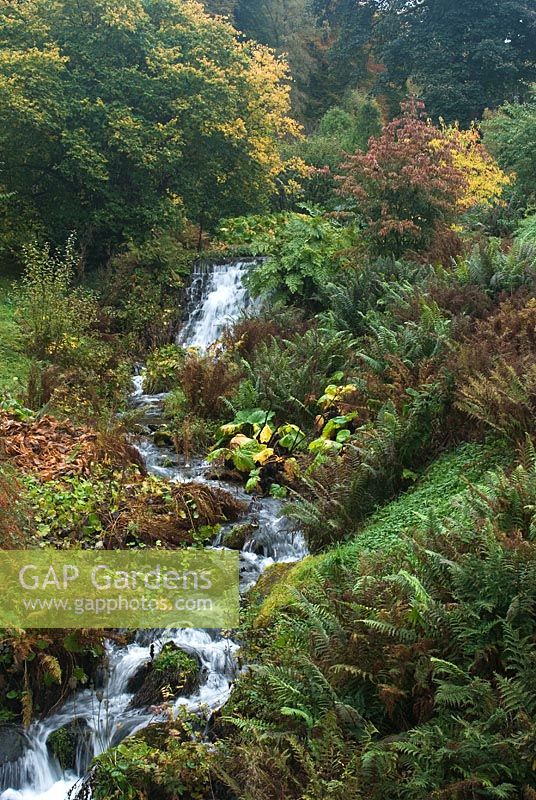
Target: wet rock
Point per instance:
(172, 673)
(239, 536)
(125, 728)
(13, 743)
(138, 678)
(261, 541)
(163, 438)
(149, 423)
(101, 674)
(225, 475)
(71, 745)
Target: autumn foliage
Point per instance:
(485, 180)
(407, 185)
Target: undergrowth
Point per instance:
(14, 365)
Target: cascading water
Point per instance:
(217, 296)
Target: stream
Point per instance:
(216, 296)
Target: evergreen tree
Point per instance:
(461, 57)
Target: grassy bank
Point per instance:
(13, 363)
(440, 494)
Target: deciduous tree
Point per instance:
(407, 185)
(510, 134)
(122, 116)
(485, 180)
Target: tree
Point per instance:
(339, 132)
(224, 8)
(122, 116)
(462, 57)
(287, 26)
(485, 180)
(347, 27)
(406, 186)
(510, 135)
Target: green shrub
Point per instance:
(260, 450)
(142, 292)
(509, 136)
(339, 131)
(53, 315)
(498, 269)
(426, 337)
(304, 252)
(162, 369)
(76, 371)
(440, 492)
(370, 286)
(123, 509)
(165, 761)
(14, 363)
(526, 231)
(288, 375)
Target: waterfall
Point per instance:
(216, 296)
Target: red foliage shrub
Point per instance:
(470, 302)
(406, 185)
(247, 334)
(495, 371)
(508, 334)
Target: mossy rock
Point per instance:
(163, 438)
(173, 672)
(272, 577)
(71, 745)
(238, 536)
(274, 589)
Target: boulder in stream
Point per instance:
(13, 743)
(71, 745)
(238, 536)
(173, 672)
(163, 438)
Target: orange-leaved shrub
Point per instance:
(407, 186)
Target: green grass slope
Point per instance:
(13, 364)
(439, 493)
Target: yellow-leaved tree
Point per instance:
(122, 116)
(485, 180)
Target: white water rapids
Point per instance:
(216, 296)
